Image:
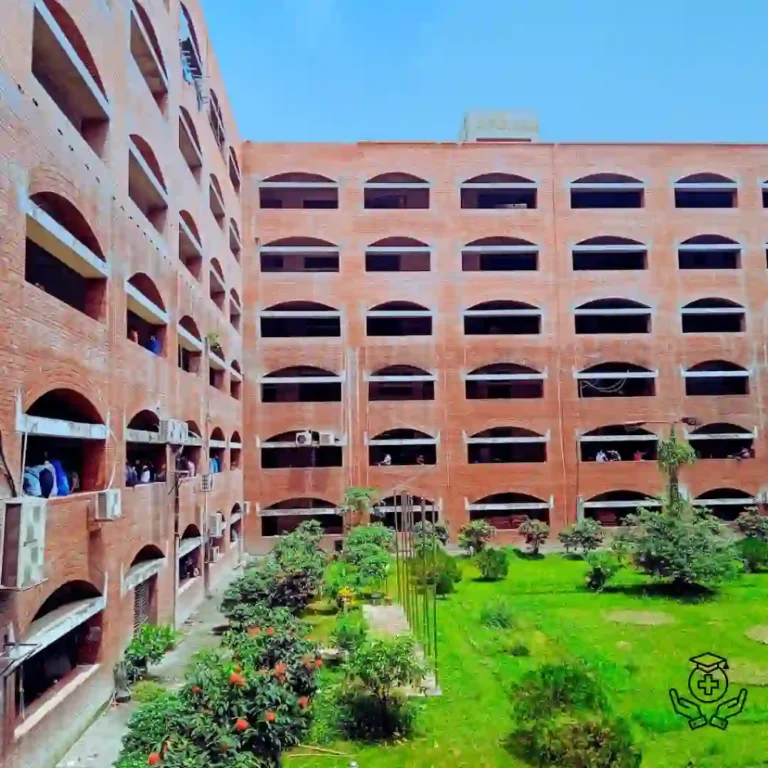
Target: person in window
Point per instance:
(614, 455)
(386, 461)
(31, 482)
(133, 335)
(744, 453)
(153, 344)
(62, 481)
(146, 474)
(601, 456)
(131, 478)
(638, 456)
(420, 459)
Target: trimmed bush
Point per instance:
(584, 536)
(535, 533)
(475, 536)
(437, 569)
(427, 536)
(753, 553)
(492, 564)
(602, 567)
(752, 524)
(349, 633)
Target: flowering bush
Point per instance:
(535, 533)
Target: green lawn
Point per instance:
(557, 618)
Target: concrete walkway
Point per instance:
(99, 746)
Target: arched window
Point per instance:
(285, 516)
(706, 190)
(63, 257)
(234, 171)
(190, 345)
(498, 191)
(403, 508)
(235, 380)
(716, 378)
(507, 510)
(191, 59)
(235, 450)
(217, 448)
(713, 316)
(190, 245)
(608, 252)
(188, 460)
(723, 441)
(189, 144)
(500, 254)
(607, 190)
(709, 252)
(726, 503)
(613, 316)
(396, 191)
(146, 185)
(301, 384)
(397, 254)
(401, 382)
(218, 289)
(300, 319)
(618, 442)
(141, 577)
(502, 317)
(504, 381)
(398, 318)
(616, 379)
(145, 453)
(68, 73)
(301, 449)
(190, 555)
(402, 447)
(299, 190)
(146, 318)
(235, 241)
(216, 120)
(611, 508)
(216, 201)
(299, 254)
(506, 445)
(217, 364)
(148, 55)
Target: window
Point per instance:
(63, 256)
(235, 241)
(287, 515)
(146, 186)
(189, 144)
(506, 511)
(402, 447)
(234, 171)
(148, 55)
(217, 448)
(301, 384)
(616, 379)
(396, 190)
(300, 319)
(188, 458)
(299, 190)
(764, 189)
(217, 366)
(145, 453)
(399, 511)
(506, 445)
(401, 382)
(190, 555)
(498, 191)
(716, 378)
(216, 201)
(504, 381)
(398, 318)
(608, 252)
(713, 316)
(610, 508)
(235, 380)
(612, 316)
(191, 60)
(146, 316)
(64, 67)
(709, 252)
(723, 441)
(502, 318)
(301, 449)
(190, 346)
(500, 254)
(190, 245)
(397, 254)
(607, 190)
(618, 442)
(706, 190)
(299, 254)
(235, 450)
(218, 290)
(235, 313)
(726, 503)
(216, 121)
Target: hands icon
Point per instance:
(727, 709)
(688, 709)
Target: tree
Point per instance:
(474, 536)
(674, 454)
(426, 535)
(752, 524)
(357, 501)
(586, 535)
(535, 532)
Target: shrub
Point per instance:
(497, 615)
(586, 535)
(349, 633)
(492, 564)
(359, 715)
(144, 691)
(752, 524)
(438, 569)
(754, 553)
(366, 535)
(535, 533)
(428, 535)
(519, 649)
(474, 536)
(444, 584)
(602, 567)
(148, 646)
(339, 575)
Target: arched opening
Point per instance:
(234, 171)
(396, 191)
(68, 74)
(398, 318)
(235, 526)
(216, 201)
(301, 384)
(506, 511)
(504, 381)
(764, 187)
(607, 252)
(71, 270)
(141, 577)
(218, 290)
(500, 254)
(716, 378)
(191, 60)
(401, 382)
(397, 254)
(508, 318)
(299, 254)
(63, 641)
(612, 316)
(299, 190)
(726, 503)
(146, 185)
(302, 449)
(506, 445)
(235, 380)
(190, 556)
(706, 190)
(217, 365)
(235, 451)
(145, 450)
(607, 190)
(286, 516)
(498, 191)
(396, 511)
(146, 318)
(188, 456)
(235, 241)
(618, 442)
(148, 55)
(190, 346)
(217, 448)
(616, 379)
(713, 316)
(402, 447)
(63, 445)
(235, 313)
(723, 441)
(190, 245)
(189, 143)
(216, 121)
(709, 252)
(611, 508)
(300, 319)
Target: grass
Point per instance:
(554, 618)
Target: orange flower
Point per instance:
(304, 702)
(196, 689)
(237, 680)
(307, 661)
(254, 631)
(238, 668)
(280, 669)
(270, 631)
(241, 724)
(270, 717)
(154, 759)
(318, 662)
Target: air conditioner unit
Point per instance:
(327, 438)
(246, 505)
(214, 554)
(174, 431)
(216, 525)
(206, 482)
(303, 438)
(22, 542)
(108, 506)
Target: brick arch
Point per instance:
(150, 158)
(149, 550)
(46, 591)
(502, 423)
(154, 42)
(603, 485)
(71, 380)
(69, 216)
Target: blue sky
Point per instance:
(593, 70)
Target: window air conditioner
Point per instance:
(327, 438)
(22, 542)
(303, 438)
(216, 525)
(214, 554)
(206, 483)
(108, 506)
